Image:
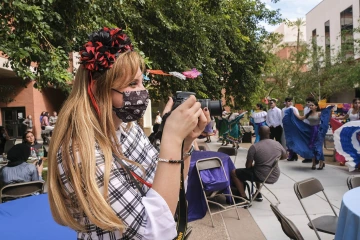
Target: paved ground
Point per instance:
(259, 222)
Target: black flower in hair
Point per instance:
(103, 47)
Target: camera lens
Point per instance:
(214, 106)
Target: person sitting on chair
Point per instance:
(18, 170)
(30, 140)
(263, 154)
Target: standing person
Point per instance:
(274, 121)
(45, 124)
(41, 116)
(90, 190)
(289, 104)
(4, 136)
(259, 120)
(354, 113)
(307, 109)
(28, 122)
(53, 119)
(307, 140)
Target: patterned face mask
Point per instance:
(135, 104)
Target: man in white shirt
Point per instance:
(274, 121)
(289, 104)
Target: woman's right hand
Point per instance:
(183, 119)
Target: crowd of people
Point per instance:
(18, 169)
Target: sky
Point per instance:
(290, 9)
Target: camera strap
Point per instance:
(181, 210)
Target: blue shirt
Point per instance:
(24, 172)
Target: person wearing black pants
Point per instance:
(274, 120)
(276, 132)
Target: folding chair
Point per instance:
(262, 184)
(353, 181)
(216, 182)
(19, 190)
(287, 225)
(229, 151)
(325, 224)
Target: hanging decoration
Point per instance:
(178, 75)
(193, 73)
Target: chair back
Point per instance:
(307, 187)
(8, 145)
(208, 163)
(228, 150)
(18, 190)
(273, 166)
(287, 225)
(353, 182)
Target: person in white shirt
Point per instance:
(307, 109)
(259, 120)
(289, 104)
(158, 118)
(53, 119)
(354, 113)
(274, 121)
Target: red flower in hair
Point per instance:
(104, 46)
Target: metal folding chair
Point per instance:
(287, 225)
(19, 190)
(229, 151)
(211, 164)
(353, 181)
(262, 184)
(325, 224)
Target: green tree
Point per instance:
(222, 39)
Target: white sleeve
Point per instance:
(160, 222)
(296, 110)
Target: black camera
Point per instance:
(214, 106)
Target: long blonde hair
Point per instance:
(77, 128)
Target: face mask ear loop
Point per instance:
(91, 94)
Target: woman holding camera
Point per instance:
(90, 190)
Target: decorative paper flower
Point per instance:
(193, 73)
(103, 47)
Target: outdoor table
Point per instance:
(196, 202)
(349, 220)
(30, 218)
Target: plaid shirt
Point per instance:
(124, 197)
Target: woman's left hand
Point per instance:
(204, 120)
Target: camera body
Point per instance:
(214, 106)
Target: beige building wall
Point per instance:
(329, 10)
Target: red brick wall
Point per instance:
(34, 101)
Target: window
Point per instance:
(327, 43)
(347, 37)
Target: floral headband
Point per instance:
(103, 47)
(100, 52)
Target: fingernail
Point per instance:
(205, 109)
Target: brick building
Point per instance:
(26, 101)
